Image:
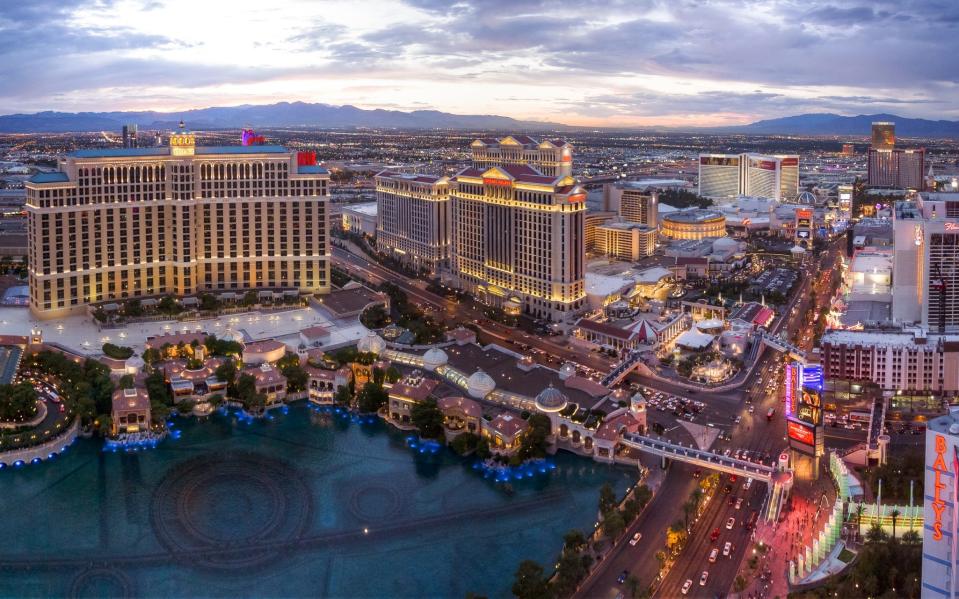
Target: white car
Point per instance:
(749, 483)
(687, 585)
(713, 555)
(738, 419)
(727, 549)
(636, 538)
(751, 410)
(730, 523)
(739, 503)
(703, 579)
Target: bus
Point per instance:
(769, 414)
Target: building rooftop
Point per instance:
(367, 208)
(54, 177)
(694, 216)
(131, 399)
(165, 151)
(311, 169)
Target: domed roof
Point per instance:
(480, 384)
(567, 370)
(235, 335)
(434, 358)
(372, 343)
(134, 362)
(551, 399)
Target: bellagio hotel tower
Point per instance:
(128, 223)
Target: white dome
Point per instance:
(235, 335)
(724, 243)
(480, 384)
(567, 370)
(372, 343)
(434, 358)
(551, 399)
(134, 363)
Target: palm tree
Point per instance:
(860, 509)
(895, 516)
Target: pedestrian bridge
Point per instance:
(783, 346)
(698, 457)
(619, 372)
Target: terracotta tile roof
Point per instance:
(508, 425)
(467, 406)
(131, 399)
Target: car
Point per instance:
(636, 538)
(727, 549)
(749, 481)
(730, 523)
(687, 585)
(751, 409)
(713, 555)
(697, 473)
(714, 535)
(62, 408)
(738, 419)
(703, 579)
(622, 576)
(728, 489)
(732, 478)
(739, 502)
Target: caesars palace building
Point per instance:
(120, 223)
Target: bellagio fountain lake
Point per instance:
(306, 503)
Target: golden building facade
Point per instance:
(518, 239)
(122, 223)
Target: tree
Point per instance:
(635, 588)
(613, 523)
(465, 443)
(529, 581)
(574, 540)
(375, 317)
(296, 378)
(428, 418)
(117, 352)
(911, 537)
(533, 444)
(168, 305)
(133, 308)
(739, 585)
(126, 382)
(895, 516)
(661, 558)
(392, 374)
(860, 510)
(571, 570)
(876, 534)
(607, 498)
(342, 396)
(18, 403)
(371, 398)
(226, 372)
(152, 355)
(675, 536)
(209, 303)
(157, 388)
(643, 494)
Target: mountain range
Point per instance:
(326, 116)
(835, 124)
(281, 114)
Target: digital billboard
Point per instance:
(801, 433)
(804, 408)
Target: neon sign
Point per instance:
(952, 226)
(938, 505)
(499, 182)
(789, 389)
(802, 433)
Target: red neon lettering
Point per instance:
(938, 505)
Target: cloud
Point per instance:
(615, 59)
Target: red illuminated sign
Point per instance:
(577, 198)
(305, 158)
(800, 432)
(499, 182)
(790, 162)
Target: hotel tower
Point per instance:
(518, 239)
(122, 223)
(413, 218)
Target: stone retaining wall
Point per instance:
(42, 451)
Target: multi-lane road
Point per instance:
(754, 434)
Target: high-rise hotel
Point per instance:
(732, 175)
(123, 223)
(413, 218)
(518, 239)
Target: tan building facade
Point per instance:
(413, 218)
(626, 241)
(518, 233)
(121, 223)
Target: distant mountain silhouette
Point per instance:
(835, 124)
(282, 114)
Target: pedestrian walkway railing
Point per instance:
(699, 457)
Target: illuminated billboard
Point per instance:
(718, 161)
(804, 408)
(801, 433)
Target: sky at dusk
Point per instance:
(607, 63)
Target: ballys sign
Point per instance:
(939, 468)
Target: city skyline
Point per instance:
(597, 64)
